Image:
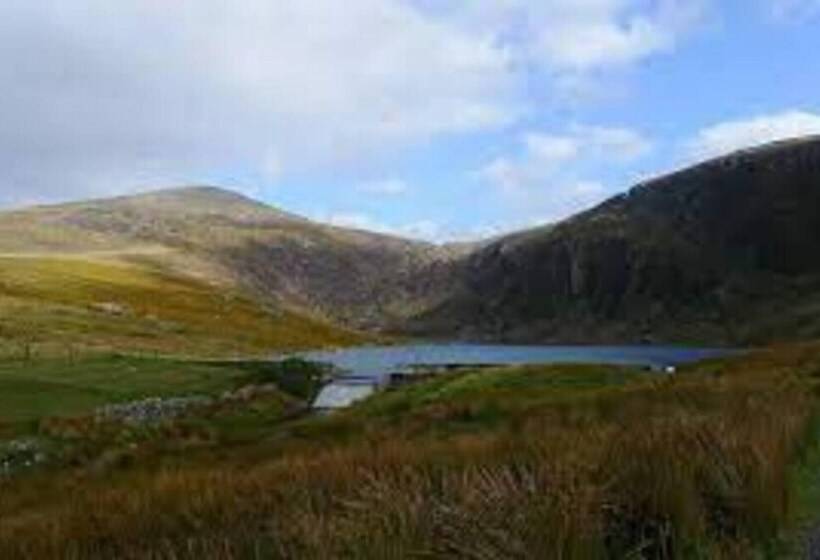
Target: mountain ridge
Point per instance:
(718, 251)
(285, 260)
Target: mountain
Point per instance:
(722, 252)
(726, 251)
(356, 278)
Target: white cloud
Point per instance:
(730, 136)
(793, 10)
(585, 35)
(588, 188)
(387, 187)
(423, 229)
(356, 220)
(551, 149)
(619, 144)
(271, 165)
(584, 47)
(426, 230)
(546, 157)
(505, 173)
(596, 38)
(101, 97)
(98, 96)
(555, 174)
(542, 155)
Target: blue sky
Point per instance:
(439, 119)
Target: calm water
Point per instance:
(375, 363)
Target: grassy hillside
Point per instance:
(220, 237)
(63, 305)
(569, 462)
(57, 387)
(722, 252)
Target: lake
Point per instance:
(362, 369)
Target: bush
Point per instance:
(295, 376)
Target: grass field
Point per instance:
(59, 306)
(536, 462)
(56, 387)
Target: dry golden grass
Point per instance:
(58, 305)
(688, 467)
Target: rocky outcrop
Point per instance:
(721, 251)
(152, 410)
(725, 251)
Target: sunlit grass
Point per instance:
(558, 462)
(61, 305)
(56, 387)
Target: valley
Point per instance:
(410, 280)
(720, 253)
(142, 413)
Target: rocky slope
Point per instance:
(726, 251)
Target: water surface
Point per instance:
(362, 369)
(377, 362)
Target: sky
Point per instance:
(436, 119)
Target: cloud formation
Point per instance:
(560, 171)
(98, 95)
(794, 10)
(582, 35)
(426, 230)
(726, 137)
(101, 97)
(384, 187)
(546, 156)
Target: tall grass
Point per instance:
(691, 467)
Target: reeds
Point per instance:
(694, 467)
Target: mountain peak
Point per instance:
(198, 190)
(192, 201)
(195, 194)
